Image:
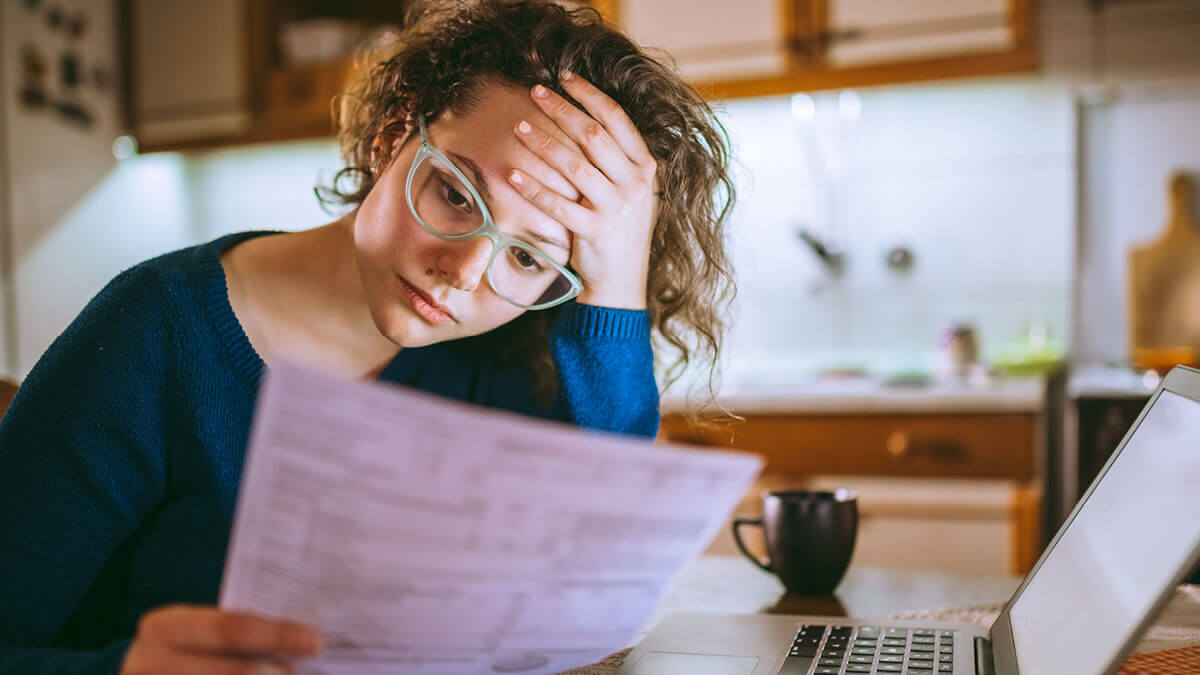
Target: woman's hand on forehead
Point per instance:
(615, 174)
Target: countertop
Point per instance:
(1103, 381)
(869, 395)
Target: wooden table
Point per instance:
(721, 584)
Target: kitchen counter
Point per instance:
(1100, 381)
(869, 395)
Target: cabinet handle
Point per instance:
(898, 444)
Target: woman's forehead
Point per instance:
(496, 111)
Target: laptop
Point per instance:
(1115, 562)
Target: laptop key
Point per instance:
(896, 632)
(894, 642)
(862, 659)
(830, 662)
(891, 659)
(858, 668)
(868, 631)
(889, 668)
(865, 643)
(827, 671)
(946, 668)
(795, 665)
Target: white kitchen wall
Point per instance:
(72, 216)
(978, 179)
(146, 206)
(268, 187)
(72, 221)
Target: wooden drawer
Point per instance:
(300, 98)
(934, 445)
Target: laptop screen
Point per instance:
(1138, 527)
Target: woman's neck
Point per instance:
(302, 297)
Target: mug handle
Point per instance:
(737, 538)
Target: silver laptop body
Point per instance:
(1114, 563)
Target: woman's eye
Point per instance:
(526, 261)
(455, 198)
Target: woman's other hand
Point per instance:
(613, 220)
(187, 639)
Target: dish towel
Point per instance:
(1172, 645)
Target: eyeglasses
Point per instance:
(448, 206)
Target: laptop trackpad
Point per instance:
(671, 663)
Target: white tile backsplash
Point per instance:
(978, 179)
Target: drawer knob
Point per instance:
(898, 444)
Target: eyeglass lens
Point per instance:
(518, 272)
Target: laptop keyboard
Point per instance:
(833, 650)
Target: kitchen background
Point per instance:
(872, 220)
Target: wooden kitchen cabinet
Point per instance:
(710, 40)
(952, 491)
(187, 70)
(209, 73)
(205, 73)
(928, 445)
(767, 47)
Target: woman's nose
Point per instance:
(463, 263)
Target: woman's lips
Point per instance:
(424, 306)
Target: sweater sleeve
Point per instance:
(82, 451)
(606, 369)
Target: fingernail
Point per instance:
(540, 91)
(524, 127)
(516, 178)
(566, 76)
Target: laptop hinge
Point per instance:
(984, 665)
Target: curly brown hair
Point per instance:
(440, 62)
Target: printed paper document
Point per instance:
(423, 535)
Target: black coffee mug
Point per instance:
(809, 535)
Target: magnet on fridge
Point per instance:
(33, 77)
(77, 26)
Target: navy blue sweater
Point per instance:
(120, 456)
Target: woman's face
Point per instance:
(421, 289)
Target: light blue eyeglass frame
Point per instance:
(488, 229)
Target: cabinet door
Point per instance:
(884, 31)
(189, 71)
(713, 39)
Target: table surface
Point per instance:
(722, 584)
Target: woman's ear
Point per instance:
(386, 145)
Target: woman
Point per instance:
(532, 196)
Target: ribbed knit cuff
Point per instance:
(602, 322)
